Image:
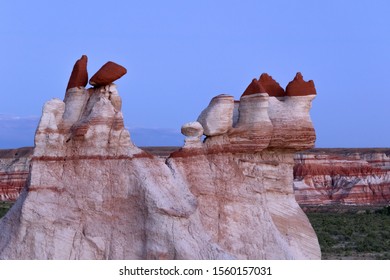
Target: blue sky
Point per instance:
(179, 54)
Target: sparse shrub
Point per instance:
(352, 235)
(4, 207)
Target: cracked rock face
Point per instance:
(92, 194)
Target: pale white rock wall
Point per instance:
(217, 118)
(253, 111)
(75, 98)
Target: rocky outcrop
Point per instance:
(322, 177)
(107, 74)
(92, 194)
(342, 177)
(217, 118)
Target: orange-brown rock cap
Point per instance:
(107, 74)
(298, 87)
(271, 86)
(253, 88)
(79, 76)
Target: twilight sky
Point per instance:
(179, 54)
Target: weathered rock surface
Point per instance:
(107, 74)
(253, 128)
(194, 132)
(342, 177)
(92, 194)
(217, 118)
(322, 177)
(79, 76)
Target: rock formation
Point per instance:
(217, 118)
(342, 177)
(254, 87)
(271, 86)
(92, 194)
(338, 178)
(298, 87)
(194, 132)
(79, 76)
(108, 73)
(328, 167)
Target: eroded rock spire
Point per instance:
(79, 75)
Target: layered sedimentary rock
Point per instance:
(322, 177)
(14, 169)
(342, 177)
(92, 194)
(290, 117)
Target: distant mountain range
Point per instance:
(16, 131)
(156, 137)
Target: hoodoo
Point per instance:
(92, 194)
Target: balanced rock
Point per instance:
(194, 132)
(217, 118)
(298, 87)
(107, 74)
(192, 129)
(271, 86)
(79, 75)
(254, 87)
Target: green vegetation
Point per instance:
(341, 235)
(4, 207)
(353, 235)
